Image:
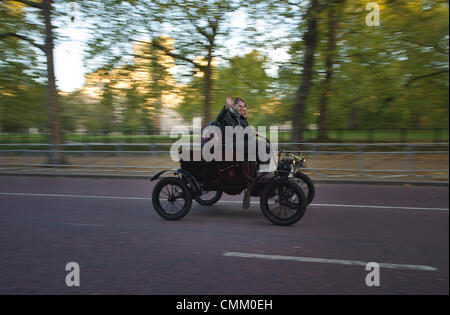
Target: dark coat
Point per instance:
(228, 117)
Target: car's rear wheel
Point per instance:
(208, 198)
(171, 198)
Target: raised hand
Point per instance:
(229, 101)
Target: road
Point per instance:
(108, 227)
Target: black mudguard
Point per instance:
(157, 175)
(188, 177)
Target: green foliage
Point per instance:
(244, 77)
(391, 76)
(133, 110)
(382, 67)
(22, 94)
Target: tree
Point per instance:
(246, 77)
(310, 39)
(394, 75)
(45, 27)
(301, 20)
(22, 95)
(197, 28)
(334, 12)
(390, 76)
(133, 111)
(107, 109)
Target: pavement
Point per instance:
(109, 228)
(335, 166)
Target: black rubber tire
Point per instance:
(267, 194)
(185, 194)
(209, 202)
(309, 183)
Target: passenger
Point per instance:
(234, 113)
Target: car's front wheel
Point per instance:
(283, 202)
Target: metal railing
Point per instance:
(340, 135)
(324, 160)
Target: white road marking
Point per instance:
(79, 224)
(261, 256)
(377, 207)
(329, 261)
(222, 201)
(350, 206)
(74, 196)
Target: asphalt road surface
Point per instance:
(109, 228)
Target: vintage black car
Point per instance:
(284, 193)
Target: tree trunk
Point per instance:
(207, 90)
(334, 13)
(353, 122)
(310, 39)
(56, 138)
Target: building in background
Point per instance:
(140, 95)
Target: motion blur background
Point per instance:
(88, 85)
(92, 88)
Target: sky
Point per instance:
(69, 68)
(70, 71)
